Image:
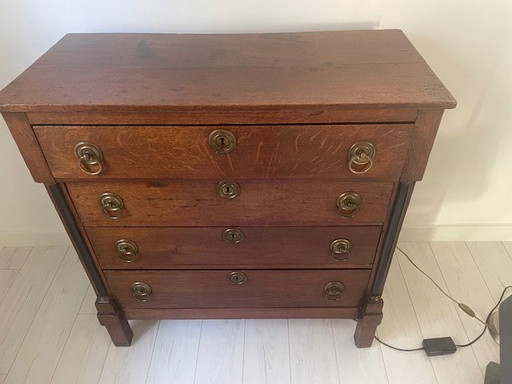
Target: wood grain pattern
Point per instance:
(28, 145)
(262, 247)
(175, 353)
(13, 257)
(196, 203)
(51, 326)
(25, 295)
(167, 71)
(211, 289)
(266, 352)
(306, 151)
(7, 278)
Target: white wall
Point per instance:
(466, 192)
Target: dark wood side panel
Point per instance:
(261, 247)
(230, 115)
(29, 147)
(211, 289)
(422, 141)
(241, 313)
(261, 203)
(300, 151)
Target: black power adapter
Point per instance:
(439, 346)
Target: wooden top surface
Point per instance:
(162, 72)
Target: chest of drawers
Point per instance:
(230, 176)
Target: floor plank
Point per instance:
(83, 356)
(495, 265)
(175, 352)
(131, 365)
(2, 378)
(220, 357)
(312, 352)
(87, 307)
(437, 315)
(467, 285)
(400, 328)
(13, 257)
(266, 352)
(508, 247)
(357, 365)
(25, 295)
(47, 336)
(7, 277)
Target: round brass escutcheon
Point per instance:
(237, 278)
(90, 158)
(111, 205)
(340, 249)
(141, 291)
(233, 235)
(222, 141)
(228, 189)
(360, 157)
(127, 250)
(334, 290)
(348, 204)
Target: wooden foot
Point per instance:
(116, 324)
(371, 317)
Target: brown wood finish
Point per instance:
(262, 247)
(241, 313)
(211, 289)
(368, 321)
(305, 151)
(114, 321)
(421, 144)
(29, 147)
(261, 202)
(347, 69)
(233, 115)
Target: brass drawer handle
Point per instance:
(111, 205)
(222, 141)
(334, 290)
(233, 235)
(127, 250)
(228, 189)
(90, 158)
(237, 278)
(340, 249)
(348, 204)
(141, 291)
(360, 157)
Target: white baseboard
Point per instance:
(428, 233)
(32, 238)
(501, 232)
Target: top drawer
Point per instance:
(253, 151)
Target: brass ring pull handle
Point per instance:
(222, 141)
(127, 250)
(348, 204)
(111, 205)
(141, 291)
(237, 278)
(228, 189)
(233, 235)
(334, 290)
(360, 157)
(340, 249)
(90, 158)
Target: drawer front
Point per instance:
(215, 289)
(260, 202)
(234, 247)
(258, 152)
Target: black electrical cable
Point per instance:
(466, 309)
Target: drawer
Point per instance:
(220, 289)
(260, 203)
(221, 247)
(300, 151)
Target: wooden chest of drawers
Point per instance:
(221, 176)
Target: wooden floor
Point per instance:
(49, 332)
